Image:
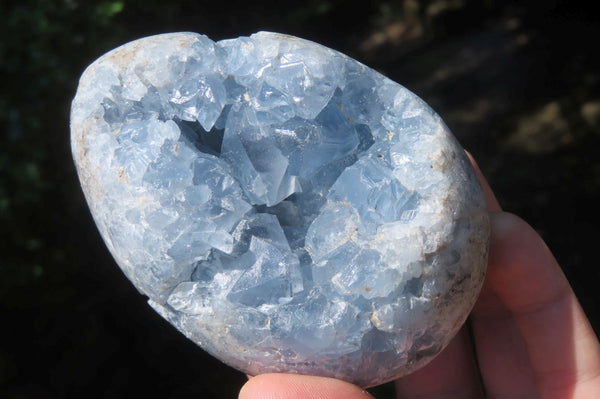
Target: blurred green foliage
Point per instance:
(44, 44)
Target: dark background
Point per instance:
(517, 81)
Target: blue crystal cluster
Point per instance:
(281, 204)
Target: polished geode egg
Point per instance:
(284, 206)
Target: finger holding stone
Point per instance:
(528, 325)
(293, 386)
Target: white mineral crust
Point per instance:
(285, 207)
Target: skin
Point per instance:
(527, 336)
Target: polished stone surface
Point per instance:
(284, 206)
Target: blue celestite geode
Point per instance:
(285, 207)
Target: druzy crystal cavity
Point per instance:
(284, 206)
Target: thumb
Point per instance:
(295, 386)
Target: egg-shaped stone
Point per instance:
(284, 206)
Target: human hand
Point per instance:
(527, 336)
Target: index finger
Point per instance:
(490, 198)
